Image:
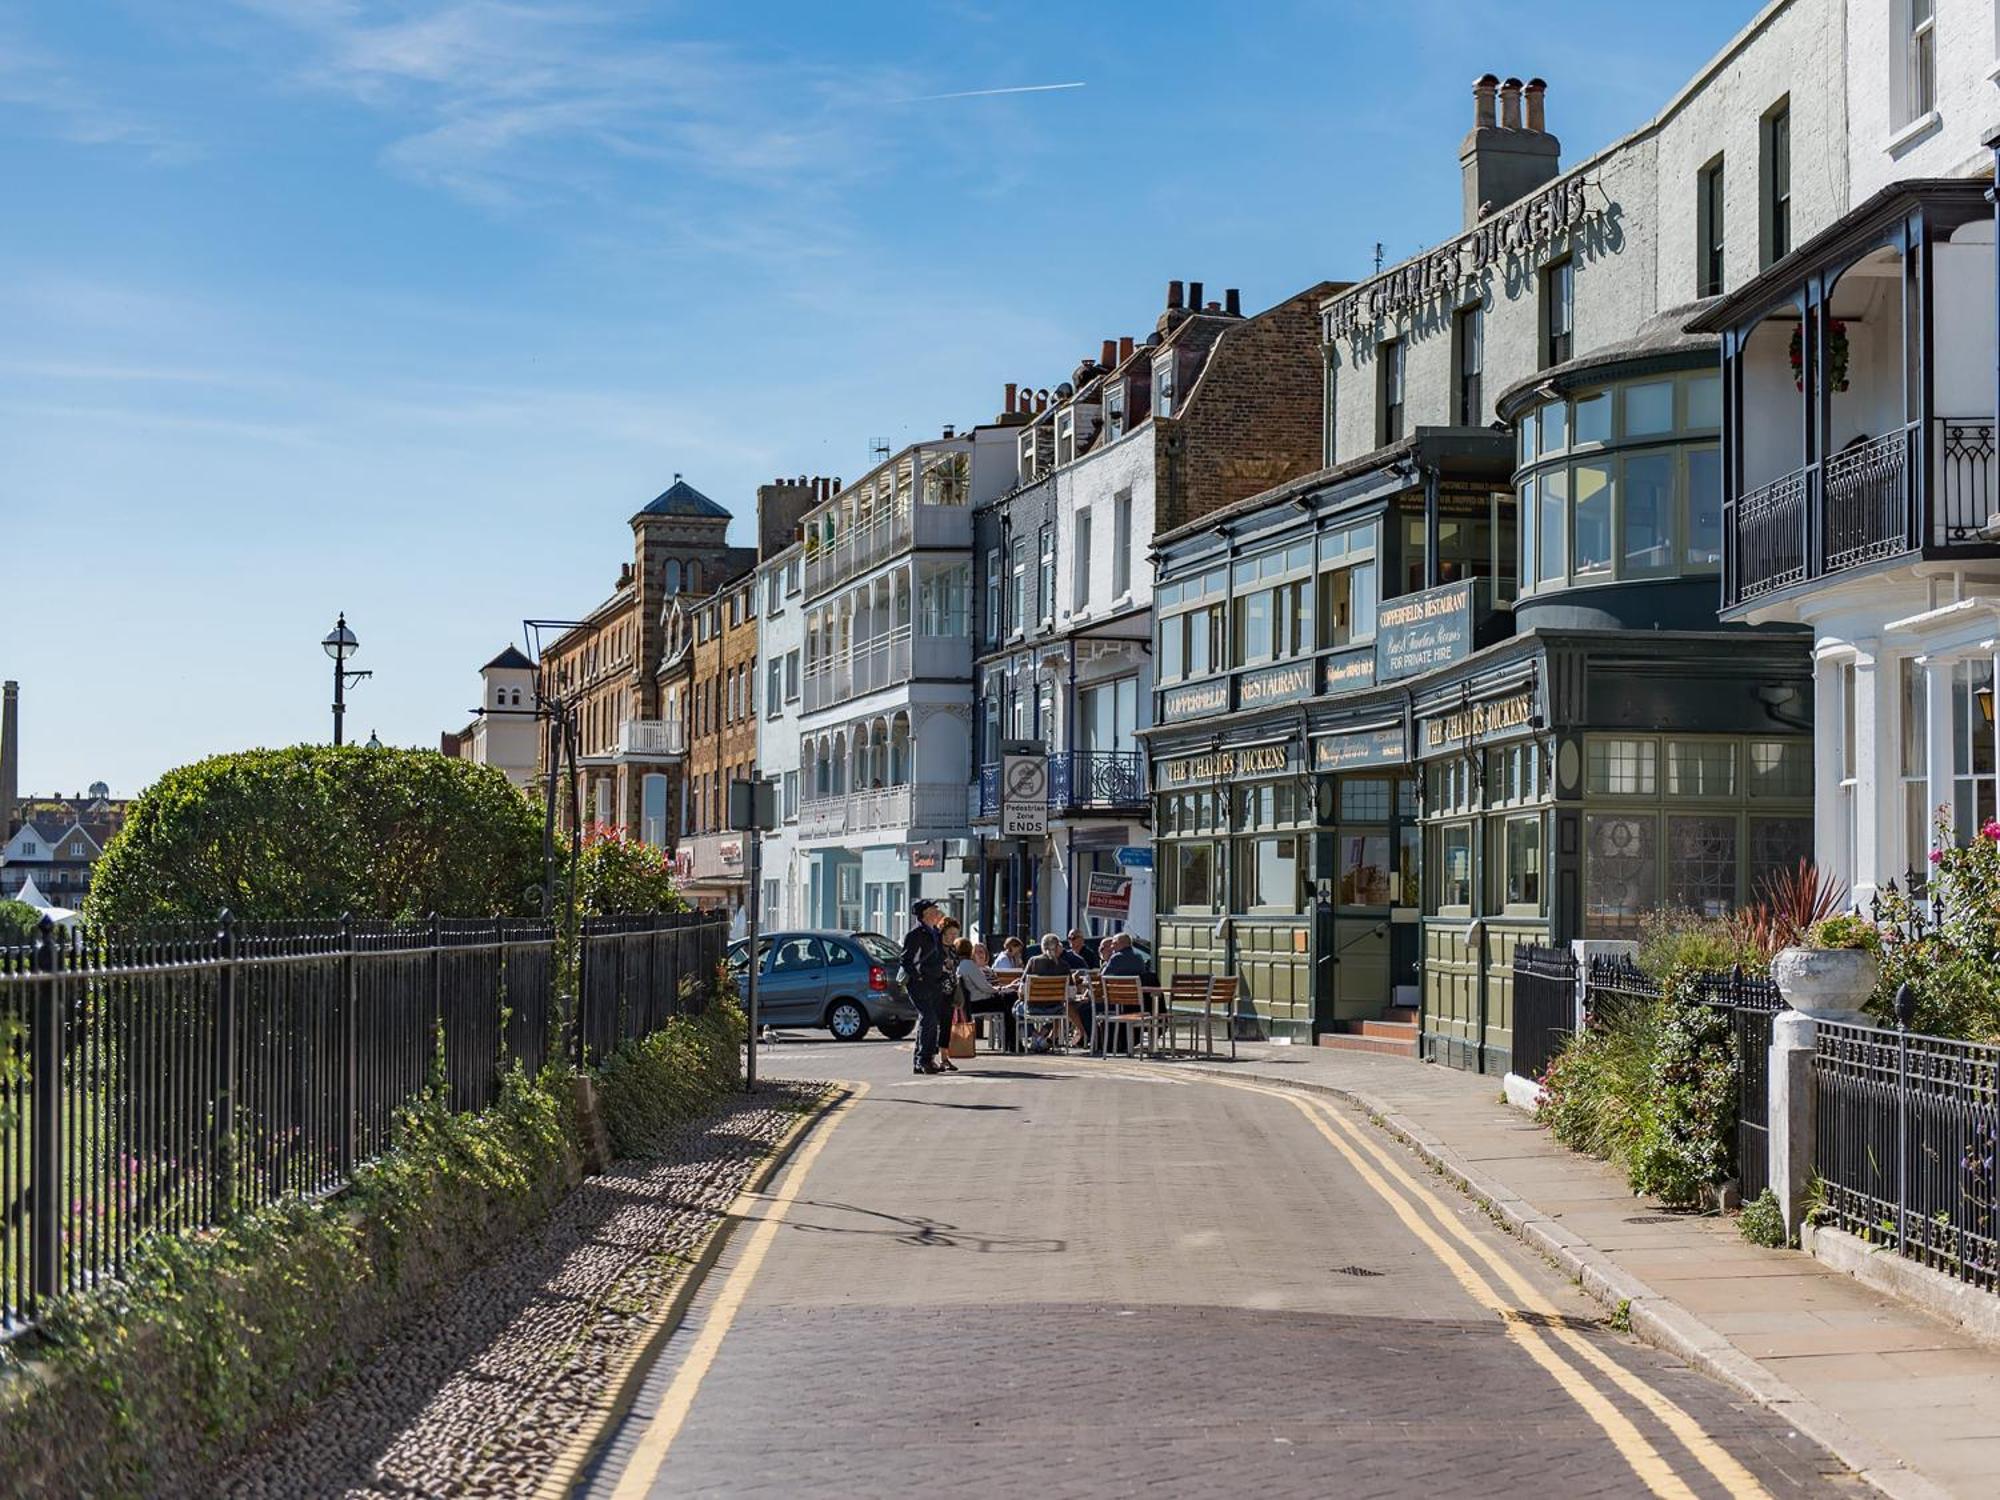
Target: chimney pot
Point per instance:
(1483, 88)
(1108, 355)
(1194, 296)
(1124, 349)
(836, 484)
(1173, 295)
(1532, 96)
(948, 430)
(1232, 302)
(1008, 404)
(1510, 104)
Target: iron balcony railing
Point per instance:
(1867, 502)
(163, 1079)
(1078, 780)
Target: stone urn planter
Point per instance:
(1828, 984)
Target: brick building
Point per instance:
(721, 713)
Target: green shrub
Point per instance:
(1595, 1093)
(1675, 940)
(617, 876)
(1762, 1222)
(1949, 951)
(1690, 1107)
(1848, 931)
(649, 1087)
(18, 923)
(315, 831)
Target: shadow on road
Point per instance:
(915, 1230)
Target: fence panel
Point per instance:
(1544, 1006)
(1750, 1002)
(1906, 1130)
(161, 1078)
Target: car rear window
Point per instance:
(878, 947)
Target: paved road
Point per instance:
(1047, 1277)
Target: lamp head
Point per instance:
(340, 642)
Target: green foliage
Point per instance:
(18, 923)
(1762, 1222)
(1651, 1088)
(315, 831)
(1952, 965)
(1672, 941)
(650, 1086)
(617, 876)
(1847, 931)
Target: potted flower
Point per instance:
(1831, 975)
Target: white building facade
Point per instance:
(779, 688)
(1859, 476)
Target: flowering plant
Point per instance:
(1944, 941)
(1836, 349)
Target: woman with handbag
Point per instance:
(979, 996)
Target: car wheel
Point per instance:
(847, 1020)
(895, 1031)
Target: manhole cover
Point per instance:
(1354, 1271)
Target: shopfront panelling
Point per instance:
(1451, 993)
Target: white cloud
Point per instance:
(61, 106)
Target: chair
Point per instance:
(1187, 1000)
(1044, 997)
(1222, 997)
(1126, 1007)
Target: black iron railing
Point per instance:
(1750, 1002)
(1545, 1006)
(163, 1079)
(1079, 779)
(1907, 1132)
(1770, 537)
(1966, 492)
(1866, 489)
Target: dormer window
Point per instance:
(1114, 412)
(1065, 436)
(1027, 448)
(1165, 391)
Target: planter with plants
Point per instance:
(1832, 974)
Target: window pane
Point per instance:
(1364, 799)
(1364, 870)
(1527, 435)
(1704, 547)
(1649, 506)
(1620, 873)
(1701, 864)
(1780, 768)
(1593, 520)
(1555, 427)
(1776, 847)
(1194, 868)
(1523, 863)
(1622, 768)
(1593, 418)
(1455, 867)
(1911, 674)
(1649, 408)
(1704, 398)
(1554, 522)
(1701, 768)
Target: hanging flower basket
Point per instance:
(1837, 348)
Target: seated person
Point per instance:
(1013, 956)
(1079, 954)
(979, 995)
(1126, 962)
(1047, 963)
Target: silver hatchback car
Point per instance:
(843, 981)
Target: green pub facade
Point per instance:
(1465, 687)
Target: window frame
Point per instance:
(1775, 181)
(1468, 341)
(1711, 266)
(1392, 391)
(1558, 286)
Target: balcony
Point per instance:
(1079, 781)
(886, 662)
(1858, 379)
(645, 739)
(896, 528)
(894, 811)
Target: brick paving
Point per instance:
(489, 1386)
(1049, 1278)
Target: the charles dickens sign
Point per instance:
(1479, 721)
(1222, 765)
(1529, 226)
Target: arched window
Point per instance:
(671, 576)
(517, 698)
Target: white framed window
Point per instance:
(1114, 412)
(774, 687)
(1972, 749)
(1913, 709)
(1710, 223)
(791, 795)
(1164, 393)
(1065, 435)
(1469, 339)
(995, 581)
(792, 675)
(1017, 600)
(1558, 313)
(1080, 569)
(1121, 544)
(1920, 61)
(1045, 578)
(1777, 181)
(1390, 357)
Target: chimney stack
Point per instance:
(1173, 296)
(10, 756)
(1108, 355)
(1008, 404)
(1124, 349)
(1232, 302)
(1194, 296)
(1502, 163)
(949, 431)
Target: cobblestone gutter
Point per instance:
(507, 1371)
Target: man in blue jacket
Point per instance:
(923, 970)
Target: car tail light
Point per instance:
(877, 980)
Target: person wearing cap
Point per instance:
(924, 967)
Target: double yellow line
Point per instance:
(1436, 1227)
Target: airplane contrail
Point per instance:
(1026, 88)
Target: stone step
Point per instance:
(1390, 1031)
(1407, 1014)
(1354, 1041)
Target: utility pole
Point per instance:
(753, 807)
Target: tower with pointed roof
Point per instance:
(679, 546)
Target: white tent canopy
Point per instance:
(30, 894)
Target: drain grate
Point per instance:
(1355, 1271)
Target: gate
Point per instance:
(1544, 1006)
(1750, 1003)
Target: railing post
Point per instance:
(45, 1063)
(1791, 1106)
(578, 1002)
(350, 1051)
(222, 1124)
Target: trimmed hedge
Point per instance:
(315, 831)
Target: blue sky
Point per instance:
(403, 307)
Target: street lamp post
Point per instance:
(340, 643)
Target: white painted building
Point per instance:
(1859, 473)
(779, 694)
(505, 733)
(885, 716)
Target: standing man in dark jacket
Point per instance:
(923, 969)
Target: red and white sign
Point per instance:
(1108, 896)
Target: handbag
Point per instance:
(963, 1041)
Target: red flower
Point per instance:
(1991, 831)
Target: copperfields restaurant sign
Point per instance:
(1194, 700)
(1222, 765)
(1421, 632)
(1277, 685)
(1527, 227)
